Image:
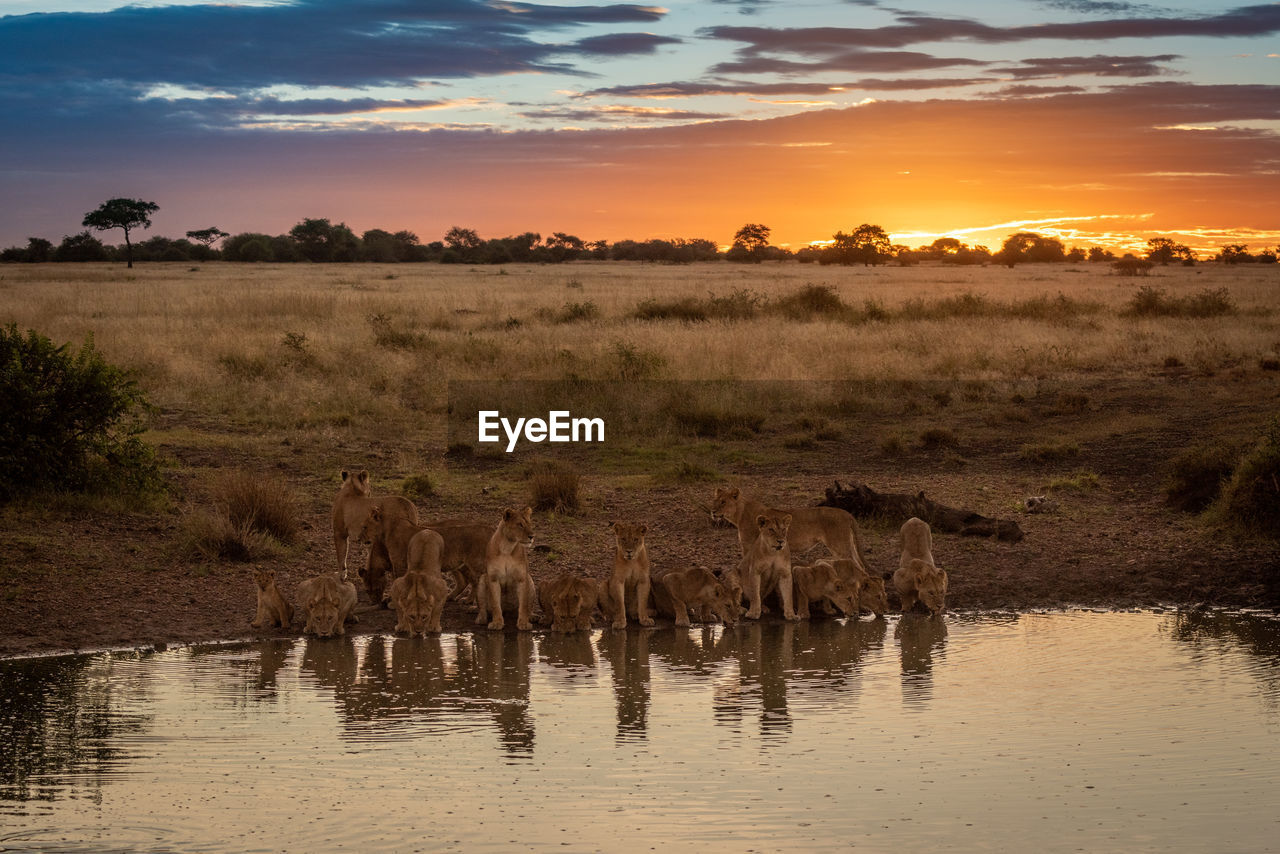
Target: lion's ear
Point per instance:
(527, 513)
(786, 520)
(508, 514)
(363, 476)
(345, 474)
(762, 521)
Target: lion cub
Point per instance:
(820, 583)
(630, 572)
(418, 597)
(568, 602)
(676, 592)
(766, 566)
(918, 578)
(507, 566)
(273, 608)
(329, 602)
(867, 590)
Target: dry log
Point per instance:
(862, 501)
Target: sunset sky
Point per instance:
(1096, 121)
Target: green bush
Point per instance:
(1250, 500)
(1197, 475)
(69, 421)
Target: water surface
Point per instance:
(1075, 731)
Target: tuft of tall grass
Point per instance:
(553, 486)
(1250, 499)
(1154, 302)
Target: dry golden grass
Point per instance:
(314, 347)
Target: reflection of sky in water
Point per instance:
(1101, 731)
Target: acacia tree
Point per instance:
(868, 243)
(126, 214)
(207, 236)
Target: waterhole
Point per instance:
(1062, 731)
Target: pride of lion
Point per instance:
(416, 568)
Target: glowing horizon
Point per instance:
(1098, 124)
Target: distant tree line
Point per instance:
(322, 241)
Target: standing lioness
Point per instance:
(831, 526)
(507, 565)
(350, 509)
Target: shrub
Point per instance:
(554, 486)
(385, 334)
(1197, 474)
(717, 423)
(571, 312)
(252, 501)
(211, 535)
(1154, 302)
(812, 301)
(69, 421)
(1081, 481)
(632, 363)
(418, 486)
(939, 437)
(1250, 500)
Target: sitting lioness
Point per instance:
(418, 597)
(329, 601)
(766, 567)
(831, 526)
(273, 608)
(630, 572)
(351, 507)
(677, 591)
(507, 566)
(918, 578)
(817, 583)
(568, 602)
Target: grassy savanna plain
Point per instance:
(979, 385)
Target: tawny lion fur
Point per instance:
(351, 507)
(766, 566)
(677, 592)
(817, 583)
(630, 573)
(507, 567)
(918, 578)
(418, 597)
(328, 601)
(831, 526)
(273, 608)
(568, 602)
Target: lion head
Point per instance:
(324, 607)
(773, 529)
(372, 526)
(355, 483)
(872, 596)
(630, 538)
(264, 578)
(516, 527)
(931, 586)
(725, 502)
